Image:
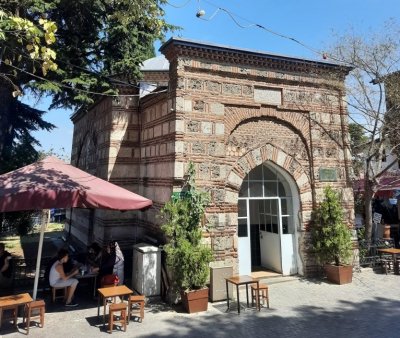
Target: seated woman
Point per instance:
(58, 278)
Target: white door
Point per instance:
(271, 189)
(270, 239)
(244, 249)
(288, 237)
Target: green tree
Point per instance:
(19, 144)
(358, 141)
(30, 37)
(96, 42)
(331, 237)
(373, 58)
(188, 258)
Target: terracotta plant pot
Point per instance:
(195, 300)
(386, 232)
(341, 274)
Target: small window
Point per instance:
(242, 208)
(270, 189)
(255, 188)
(242, 227)
(269, 174)
(244, 190)
(256, 174)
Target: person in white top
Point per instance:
(119, 262)
(58, 278)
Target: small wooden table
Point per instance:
(240, 280)
(92, 275)
(394, 252)
(113, 291)
(12, 303)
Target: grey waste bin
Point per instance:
(218, 284)
(146, 269)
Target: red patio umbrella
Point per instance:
(52, 183)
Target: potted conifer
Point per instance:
(331, 238)
(187, 256)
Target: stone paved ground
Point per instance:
(369, 307)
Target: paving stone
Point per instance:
(368, 307)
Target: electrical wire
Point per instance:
(89, 71)
(179, 6)
(234, 17)
(79, 89)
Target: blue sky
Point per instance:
(313, 23)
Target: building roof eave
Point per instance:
(224, 49)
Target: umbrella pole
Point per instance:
(39, 258)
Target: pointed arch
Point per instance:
(286, 162)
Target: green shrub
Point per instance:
(331, 237)
(188, 258)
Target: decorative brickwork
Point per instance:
(228, 111)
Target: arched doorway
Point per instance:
(267, 204)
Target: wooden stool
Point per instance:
(29, 315)
(115, 308)
(14, 314)
(262, 294)
(386, 265)
(54, 293)
(137, 306)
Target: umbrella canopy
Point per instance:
(388, 182)
(52, 183)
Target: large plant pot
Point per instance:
(386, 232)
(195, 300)
(342, 274)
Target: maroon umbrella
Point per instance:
(388, 182)
(52, 183)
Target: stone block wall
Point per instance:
(158, 149)
(107, 144)
(235, 111)
(227, 111)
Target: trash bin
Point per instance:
(218, 284)
(146, 269)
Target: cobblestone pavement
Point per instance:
(368, 307)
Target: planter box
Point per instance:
(195, 300)
(342, 274)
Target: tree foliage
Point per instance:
(73, 50)
(188, 258)
(358, 141)
(25, 44)
(374, 58)
(331, 237)
(392, 116)
(94, 40)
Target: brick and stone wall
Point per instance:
(227, 111)
(236, 111)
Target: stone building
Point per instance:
(266, 133)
